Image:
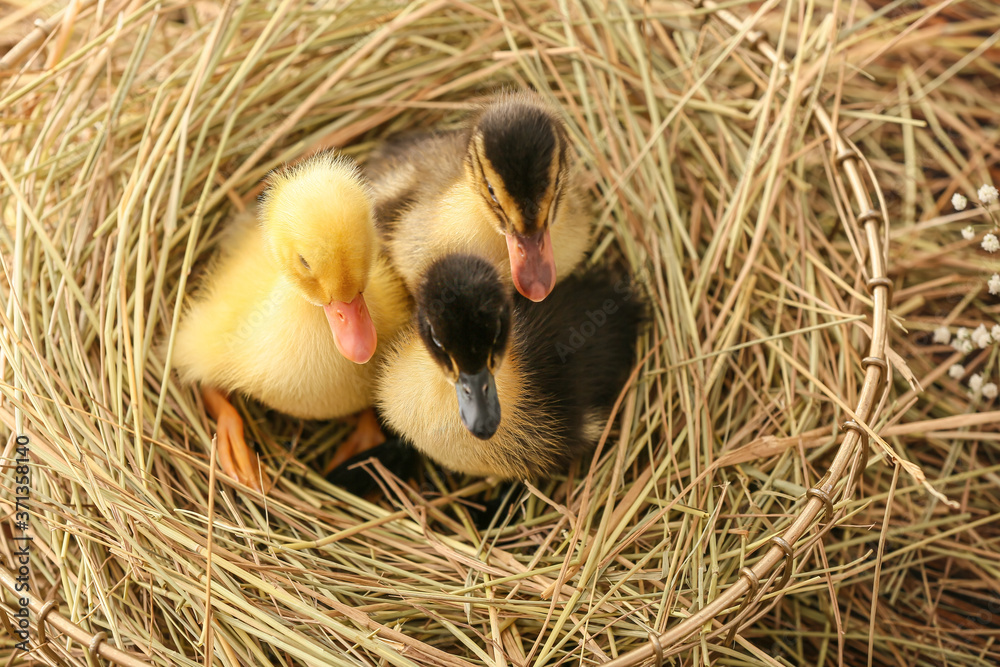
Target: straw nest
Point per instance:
(130, 133)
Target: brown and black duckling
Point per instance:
(504, 187)
(293, 307)
(489, 385)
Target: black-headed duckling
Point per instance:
(490, 385)
(504, 187)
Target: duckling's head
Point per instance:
(317, 219)
(463, 316)
(518, 162)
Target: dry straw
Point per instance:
(735, 155)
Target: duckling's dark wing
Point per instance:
(400, 150)
(577, 349)
(408, 167)
(396, 454)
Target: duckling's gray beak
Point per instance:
(532, 265)
(478, 404)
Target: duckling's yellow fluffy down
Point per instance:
(258, 326)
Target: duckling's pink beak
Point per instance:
(353, 329)
(532, 265)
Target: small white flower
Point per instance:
(968, 233)
(942, 335)
(995, 332)
(959, 202)
(963, 345)
(988, 194)
(994, 284)
(976, 383)
(989, 390)
(956, 371)
(991, 243)
(962, 333)
(981, 337)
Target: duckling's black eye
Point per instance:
(489, 187)
(304, 262)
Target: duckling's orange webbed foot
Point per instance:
(367, 434)
(235, 457)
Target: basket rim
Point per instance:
(852, 455)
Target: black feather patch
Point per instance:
(398, 456)
(578, 349)
(388, 212)
(463, 310)
(519, 141)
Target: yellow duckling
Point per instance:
(262, 322)
(504, 187)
